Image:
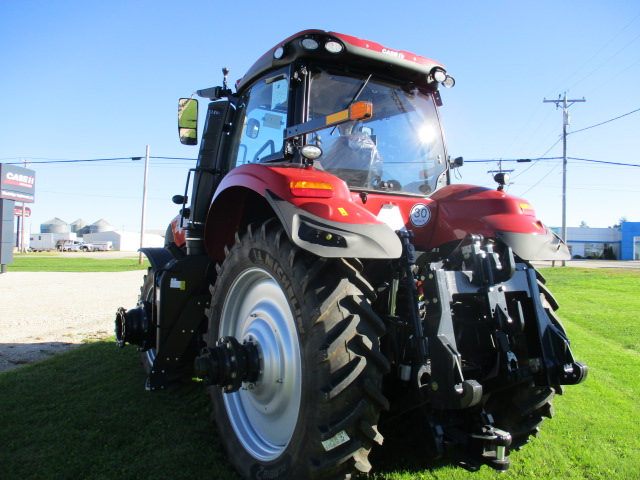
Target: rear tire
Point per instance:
(146, 295)
(520, 410)
(314, 409)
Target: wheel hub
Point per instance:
(229, 364)
(133, 326)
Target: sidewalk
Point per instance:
(621, 264)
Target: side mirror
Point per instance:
(457, 163)
(179, 199)
(188, 121)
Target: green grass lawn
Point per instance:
(85, 414)
(65, 263)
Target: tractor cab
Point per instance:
(302, 93)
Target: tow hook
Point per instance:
(229, 364)
(494, 443)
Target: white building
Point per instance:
(125, 241)
(594, 242)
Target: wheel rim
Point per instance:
(150, 355)
(264, 414)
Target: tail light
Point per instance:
(527, 209)
(303, 188)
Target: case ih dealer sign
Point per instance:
(18, 183)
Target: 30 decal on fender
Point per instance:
(420, 215)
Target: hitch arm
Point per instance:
(558, 363)
(408, 260)
(449, 389)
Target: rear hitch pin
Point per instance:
(501, 452)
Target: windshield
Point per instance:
(399, 149)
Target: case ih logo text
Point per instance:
(19, 180)
(393, 53)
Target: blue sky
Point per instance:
(90, 80)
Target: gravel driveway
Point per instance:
(44, 313)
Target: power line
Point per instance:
(540, 181)
(605, 162)
(73, 161)
(598, 53)
(527, 160)
(531, 166)
(518, 160)
(606, 61)
(87, 160)
(602, 123)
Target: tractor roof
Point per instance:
(340, 49)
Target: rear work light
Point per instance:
(333, 46)
(309, 44)
(303, 188)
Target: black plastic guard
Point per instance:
(181, 299)
(158, 257)
(528, 246)
(330, 239)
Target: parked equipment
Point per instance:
(73, 246)
(102, 246)
(45, 242)
(326, 279)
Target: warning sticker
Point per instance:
(175, 283)
(336, 441)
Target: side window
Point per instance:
(265, 118)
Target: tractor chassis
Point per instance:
(433, 373)
(452, 401)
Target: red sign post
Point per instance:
(18, 211)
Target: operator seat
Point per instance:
(354, 158)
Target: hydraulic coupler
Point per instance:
(133, 326)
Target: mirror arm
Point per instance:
(214, 93)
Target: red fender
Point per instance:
(464, 209)
(298, 194)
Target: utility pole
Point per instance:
(565, 122)
(144, 201)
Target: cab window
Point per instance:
(400, 149)
(264, 119)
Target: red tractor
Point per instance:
(325, 278)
